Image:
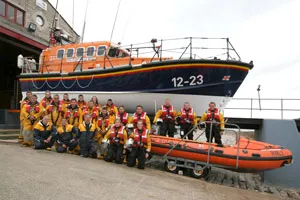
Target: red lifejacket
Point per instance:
(50, 109)
(103, 119)
(137, 117)
(189, 115)
(113, 134)
(72, 114)
(124, 118)
(216, 113)
(111, 109)
(165, 112)
(140, 139)
(93, 112)
(35, 108)
(45, 100)
(82, 104)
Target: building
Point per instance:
(25, 27)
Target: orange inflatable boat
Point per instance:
(249, 156)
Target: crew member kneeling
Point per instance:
(141, 146)
(43, 134)
(215, 120)
(86, 136)
(117, 136)
(66, 137)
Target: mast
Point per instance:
(111, 35)
(84, 22)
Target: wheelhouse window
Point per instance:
(80, 52)
(113, 52)
(60, 54)
(12, 13)
(90, 51)
(101, 50)
(70, 53)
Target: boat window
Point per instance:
(113, 52)
(79, 52)
(60, 54)
(70, 53)
(90, 51)
(101, 50)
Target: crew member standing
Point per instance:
(81, 102)
(167, 114)
(187, 120)
(111, 108)
(44, 134)
(31, 113)
(141, 146)
(66, 137)
(55, 110)
(86, 134)
(117, 136)
(213, 115)
(22, 103)
(46, 101)
(73, 113)
(122, 115)
(95, 100)
(90, 110)
(140, 115)
(66, 101)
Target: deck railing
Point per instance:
(275, 108)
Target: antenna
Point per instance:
(73, 15)
(84, 22)
(115, 21)
(258, 90)
(51, 31)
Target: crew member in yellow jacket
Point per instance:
(214, 119)
(111, 108)
(117, 136)
(31, 113)
(44, 134)
(22, 103)
(55, 111)
(140, 115)
(187, 119)
(66, 137)
(73, 113)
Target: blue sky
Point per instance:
(266, 32)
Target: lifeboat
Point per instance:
(248, 156)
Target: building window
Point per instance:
(9, 11)
(2, 8)
(79, 52)
(70, 53)
(101, 50)
(60, 54)
(90, 51)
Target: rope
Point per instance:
(36, 87)
(67, 86)
(52, 88)
(83, 87)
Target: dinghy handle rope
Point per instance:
(61, 80)
(36, 87)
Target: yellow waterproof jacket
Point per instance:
(103, 126)
(67, 133)
(22, 103)
(218, 117)
(94, 112)
(160, 114)
(133, 120)
(194, 122)
(147, 141)
(29, 110)
(121, 136)
(42, 132)
(112, 110)
(73, 115)
(86, 137)
(56, 113)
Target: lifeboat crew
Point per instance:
(187, 120)
(31, 113)
(66, 137)
(90, 110)
(213, 115)
(94, 99)
(111, 108)
(141, 146)
(22, 103)
(72, 113)
(46, 101)
(117, 136)
(122, 115)
(44, 134)
(66, 101)
(104, 122)
(86, 134)
(140, 115)
(55, 110)
(81, 102)
(167, 113)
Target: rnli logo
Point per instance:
(226, 78)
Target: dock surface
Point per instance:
(29, 174)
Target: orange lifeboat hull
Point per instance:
(253, 156)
